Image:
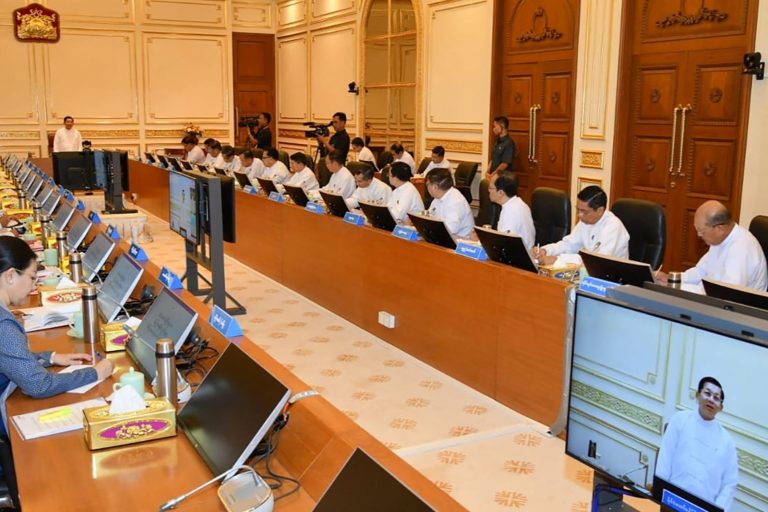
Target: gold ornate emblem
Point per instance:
(36, 23)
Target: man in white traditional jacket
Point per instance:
(67, 137)
(369, 189)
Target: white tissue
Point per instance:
(125, 400)
(65, 282)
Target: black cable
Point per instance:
(297, 485)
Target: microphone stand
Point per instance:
(171, 504)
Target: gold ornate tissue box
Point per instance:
(113, 336)
(104, 430)
(569, 272)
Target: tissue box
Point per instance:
(569, 272)
(113, 336)
(104, 430)
(52, 296)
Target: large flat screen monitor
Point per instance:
(117, 287)
(432, 230)
(183, 200)
(506, 248)
(734, 293)
(74, 169)
(364, 485)
(77, 232)
(96, 255)
(617, 270)
(670, 405)
(168, 317)
(232, 410)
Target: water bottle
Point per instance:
(61, 244)
(22, 200)
(45, 223)
(35, 211)
(91, 319)
(75, 266)
(166, 370)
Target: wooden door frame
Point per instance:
(273, 107)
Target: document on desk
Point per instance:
(85, 387)
(55, 420)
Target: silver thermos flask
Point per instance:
(45, 224)
(35, 211)
(75, 266)
(166, 370)
(61, 244)
(90, 315)
(22, 200)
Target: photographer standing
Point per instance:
(261, 134)
(340, 139)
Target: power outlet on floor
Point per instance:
(387, 319)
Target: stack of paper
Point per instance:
(55, 420)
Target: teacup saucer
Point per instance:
(72, 334)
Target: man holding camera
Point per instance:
(261, 135)
(340, 139)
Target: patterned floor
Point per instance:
(484, 454)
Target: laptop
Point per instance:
(379, 216)
(505, 248)
(335, 203)
(297, 194)
(432, 230)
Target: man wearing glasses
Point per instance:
(697, 454)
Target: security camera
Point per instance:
(753, 65)
(353, 88)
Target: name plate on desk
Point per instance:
(314, 207)
(61, 190)
(69, 196)
(80, 206)
(406, 233)
(276, 197)
(476, 252)
(224, 323)
(113, 232)
(94, 217)
(354, 218)
(170, 280)
(675, 502)
(137, 253)
(248, 189)
(596, 286)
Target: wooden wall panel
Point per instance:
(88, 11)
(18, 101)
(247, 15)
(292, 80)
(332, 67)
(191, 13)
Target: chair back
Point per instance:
(258, 153)
(465, 174)
(759, 228)
(489, 212)
(354, 165)
(551, 212)
(385, 157)
(646, 224)
(310, 160)
(323, 174)
(423, 165)
(284, 158)
(9, 491)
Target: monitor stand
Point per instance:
(608, 495)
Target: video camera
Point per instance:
(316, 129)
(250, 122)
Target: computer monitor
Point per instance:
(242, 179)
(183, 207)
(77, 232)
(379, 216)
(49, 205)
(35, 185)
(149, 157)
(709, 301)
(24, 174)
(31, 175)
(334, 202)
(232, 410)
(175, 164)
(617, 270)
(219, 171)
(117, 287)
(203, 168)
(61, 220)
(734, 293)
(268, 186)
(506, 248)
(297, 195)
(96, 255)
(186, 165)
(163, 160)
(635, 409)
(168, 317)
(432, 230)
(44, 193)
(363, 484)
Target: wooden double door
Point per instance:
(681, 137)
(253, 57)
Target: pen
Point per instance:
(99, 357)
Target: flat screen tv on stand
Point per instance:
(116, 179)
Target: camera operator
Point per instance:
(261, 134)
(340, 139)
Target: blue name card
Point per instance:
(69, 196)
(137, 253)
(314, 207)
(596, 286)
(170, 280)
(476, 252)
(80, 206)
(61, 190)
(354, 218)
(113, 232)
(276, 197)
(224, 323)
(249, 189)
(677, 503)
(94, 217)
(406, 233)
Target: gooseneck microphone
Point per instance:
(171, 504)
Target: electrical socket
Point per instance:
(387, 319)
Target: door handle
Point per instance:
(684, 110)
(530, 132)
(534, 111)
(674, 140)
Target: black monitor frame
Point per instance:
(617, 270)
(335, 203)
(242, 179)
(733, 293)
(505, 248)
(433, 231)
(378, 216)
(297, 194)
(268, 186)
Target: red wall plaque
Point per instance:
(36, 23)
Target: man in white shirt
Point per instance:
(438, 160)
(697, 454)
(515, 217)
(251, 166)
(192, 153)
(342, 182)
(369, 189)
(231, 162)
(301, 175)
(598, 230)
(449, 204)
(274, 168)
(67, 138)
(214, 158)
(734, 254)
(401, 155)
(405, 198)
(363, 153)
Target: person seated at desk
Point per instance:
(369, 189)
(192, 153)
(449, 205)
(405, 198)
(250, 165)
(342, 182)
(438, 161)
(598, 230)
(401, 155)
(363, 153)
(734, 254)
(301, 175)
(515, 217)
(274, 169)
(214, 158)
(18, 365)
(231, 162)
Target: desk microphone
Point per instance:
(171, 504)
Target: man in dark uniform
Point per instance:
(503, 155)
(340, 139)
(261, 136)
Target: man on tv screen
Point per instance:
(697, 454)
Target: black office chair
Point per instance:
(551, 212)
(311, 161)
(386, 157)
(9, 492)
(323, 174)
(646, 224)
(489, 211)
(258, 153)
(353, 165)
(463, 178)
(284, 158)
(423, 165)
(759, 228)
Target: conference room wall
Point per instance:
(131, 73)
